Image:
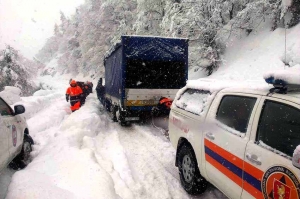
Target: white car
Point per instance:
(15, 141)
(243, 141)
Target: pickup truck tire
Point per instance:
(23, 159)
(189, 173)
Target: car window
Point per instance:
(193, 100)
(279, 127)
(4, 108)
(235, 111)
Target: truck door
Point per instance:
(274, 137)
(10, 123)
(225, 141)
(4, 152)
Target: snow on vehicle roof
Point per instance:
(213, 85)
(289, 75)
(155, 36)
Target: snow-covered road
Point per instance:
(86, 155)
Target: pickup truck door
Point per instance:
(4, 152)
(11, 124)
(230, 118)
(274, 136)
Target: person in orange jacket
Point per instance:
(74, 92)
(163, 107)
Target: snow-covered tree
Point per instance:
(82, 41)
(17, 71)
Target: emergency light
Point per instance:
(276, 82)
(281, 86)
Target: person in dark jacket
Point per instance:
(90, 86)
(100, 89)
(86, 91)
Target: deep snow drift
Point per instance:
(86, 155)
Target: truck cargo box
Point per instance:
(141, 69)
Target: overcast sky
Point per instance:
(26, 24)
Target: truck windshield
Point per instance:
(155, 74)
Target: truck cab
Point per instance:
(243, 141)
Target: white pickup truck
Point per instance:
(243, 141)
(15, 141)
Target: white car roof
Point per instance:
(248, 87)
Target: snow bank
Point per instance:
(42, 92)
(61, 168)
(40, 101)
(85, 155)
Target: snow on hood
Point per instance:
(11, 94)
(210, 85)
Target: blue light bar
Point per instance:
(276, 82)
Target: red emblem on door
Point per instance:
(14, 135)
(280, 190)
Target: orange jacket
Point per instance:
(74, 91)
(166, 101)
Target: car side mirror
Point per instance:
(296, 158)
(19, 109)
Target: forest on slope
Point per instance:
(79, 43)
(16, 70)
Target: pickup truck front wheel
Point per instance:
(23, 159)
(190, 176)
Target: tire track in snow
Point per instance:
(131, 160)
(151, 162)
(146, 158)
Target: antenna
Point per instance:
(285, 63)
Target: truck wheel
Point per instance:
(114, 113)
(189, 173)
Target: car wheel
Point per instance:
(190, 176)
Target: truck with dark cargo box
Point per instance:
(139, 71)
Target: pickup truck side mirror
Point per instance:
(19, 109)
(296, 159)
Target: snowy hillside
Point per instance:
(252, 56)
(80, 43)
